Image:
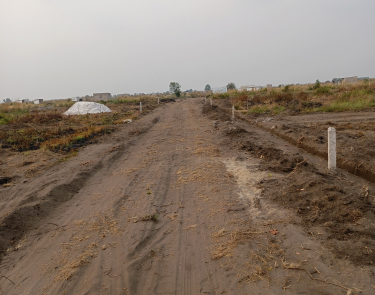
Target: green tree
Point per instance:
(207, 88)
(316, 85)
(231, 86)
(286, 88)
(175, 88)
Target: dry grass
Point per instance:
(231, 241)
(207, 173)
(25, 127)
(304, 98)
(84, 240)
(71, 267)
(172, 216)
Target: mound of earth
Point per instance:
(86, 107)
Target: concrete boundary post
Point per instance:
(331, 148)
(232, 112)
(140, 106)
(211, 100)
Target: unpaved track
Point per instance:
(87, 229)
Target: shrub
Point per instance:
(278, 109)
(259, 109)
(322, 90)
(316, 85)
(286, 88)
(3, 120)
(280, 97)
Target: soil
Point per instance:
(355, 138)
(21, 161)
(185, 201)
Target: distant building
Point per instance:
(23, 100)
(7, 100)
(269, 87)
(101, 96)
(77, 99)
(38, 101)
(220, 89)
(337, 81)
(250, 88)
(87, 98)
(349, 80)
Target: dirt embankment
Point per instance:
(355, 139)
(342, 207)
(355, 142)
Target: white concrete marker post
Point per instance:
(140, 107)
(331, 148)
(211, 100)
(232, 112)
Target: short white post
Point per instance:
(331, 148)
(211, 100)
(158, 101)
(232, 112)
(140, 107)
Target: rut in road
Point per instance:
(168, 211)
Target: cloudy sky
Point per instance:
(57, 49)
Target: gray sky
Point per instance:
(57, 49)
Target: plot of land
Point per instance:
(174, 203)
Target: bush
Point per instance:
(221, 95)
(322, 90)
(259, 109)
(316, 85)
(286, 88)
(278, 109)
(3, 120)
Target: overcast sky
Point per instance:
(62, 48)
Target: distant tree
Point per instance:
(175, 88)
(286, 88)
(334, 80)
(207, 88)
(231, 86)
(316, 85)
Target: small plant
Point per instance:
(67, 157)
(3, 120)
(259, 109)
(237, 105)
(278, 109)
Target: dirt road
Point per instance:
(163, 206)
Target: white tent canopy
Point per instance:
(86, 107)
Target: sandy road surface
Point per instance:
(167, 211)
